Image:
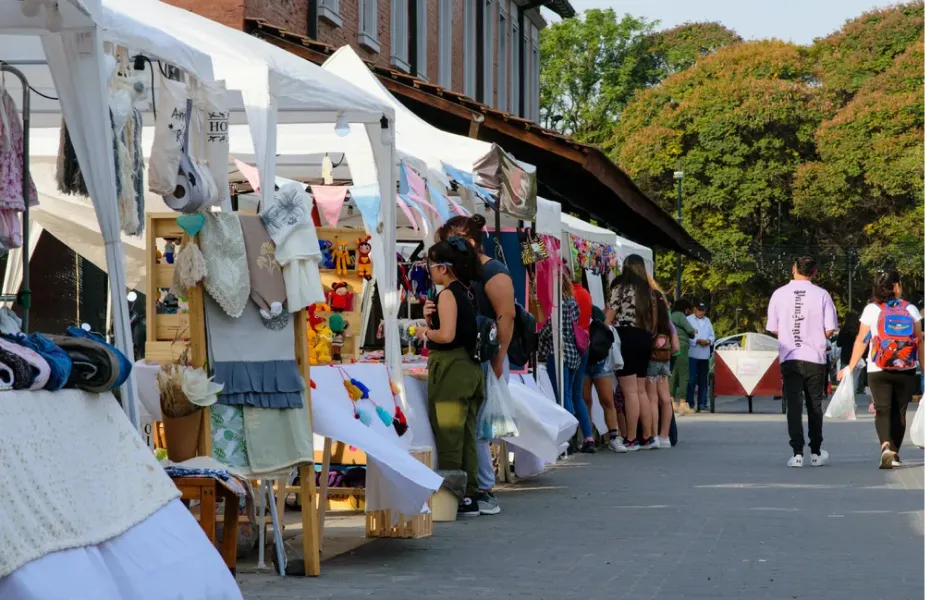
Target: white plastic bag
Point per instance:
(842, 404)
(213, 122)
(917, 431)
(615, 358)
(171, 122)
(497, 418)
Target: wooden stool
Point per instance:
(208, 491)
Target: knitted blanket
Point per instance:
(73, 473)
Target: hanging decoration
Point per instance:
(251, 174)
(330, 201)
(441, 205)
(592, 256)
(357, 391)
(399, 421)
(404, 208)
(366, 199)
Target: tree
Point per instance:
(590, 68)
(741, 120)
(680, 47)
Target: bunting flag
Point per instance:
(407, 211)
(366, 199)
(457, 207)
(461, 177)
(403, 186)
(251, 174)
(330, 201)
(416, 184)
(439, 202)
(425, 222)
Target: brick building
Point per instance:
(485, 49)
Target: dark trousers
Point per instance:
(699, 378)
(804, 379)
(892, 391)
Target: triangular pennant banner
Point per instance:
(251, 174)
(457, 207)
(403, 187)
(330, 200)
(461, 177)
(366, 199)
(425, 222)
(407, 211)
(440, 203)
(416, 184)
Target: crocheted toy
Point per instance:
(399, 421)
(338, 326)
(364, 263)
(327, 256)
(341, 257)
(357, 391)
(319, 336)
(340, 297)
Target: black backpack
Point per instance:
(601, 342)
(523, 340)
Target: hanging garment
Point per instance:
(11, 174)
(69, 177)
(268, 290)
(122, 160)
(278, 439)
(133, 141)
(229, 446)
(227, 277)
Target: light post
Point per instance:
(679, 177)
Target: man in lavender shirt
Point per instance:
(802, 316)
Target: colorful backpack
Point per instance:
(895, 347)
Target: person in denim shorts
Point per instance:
(600, 375)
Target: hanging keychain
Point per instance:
(399, 422)
(357, 391)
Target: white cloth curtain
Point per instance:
(12, 278)
(74, 59)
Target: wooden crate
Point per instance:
(379, 523)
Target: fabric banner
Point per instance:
(251, 174)
(416, 184)
(403, 186)
(366, 198)
(440, 202)
(425, 222)
(459, 176)
(330, 201)
(407, 211)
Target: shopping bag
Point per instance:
(169, 129)
(497, 418)
(842, 404)
(615, 359)
(917, 432)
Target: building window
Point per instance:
(489, 41)
(469, 49)
(516, 45)
(503, 64)
(421, 38)
(369, 20)
(445, 31)
(329, 10)
(399, 34)
(535, 91)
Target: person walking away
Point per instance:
(895, 350)
(600, 376)
(632, 311)
(664, 345)
(699, 352)
(455, 389)
(802, 316)
(680, 371)
(574, 367)
(847, 335)
(494, 293)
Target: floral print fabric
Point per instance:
(11, 174)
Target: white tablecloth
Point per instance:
(394, 479)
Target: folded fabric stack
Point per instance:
(79, 360)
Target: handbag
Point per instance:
(191, 192)
(582, 338)
(661, 348)
(523, 340)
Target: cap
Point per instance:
(701, 306)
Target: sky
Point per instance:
(798, 21)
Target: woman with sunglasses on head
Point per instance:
(894, 329)
(454, 379)
(494, 293)
(633, 311)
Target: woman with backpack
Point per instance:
(494, 293)
(633, 312)
(455, 388)
(600, 376)
(665, 344)
(574, 362)
(895, 330)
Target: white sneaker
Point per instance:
(616, 445)
(819, 460)
(886, 458)
(795, 461)
(664, 443)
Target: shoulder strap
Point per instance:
(189, 114)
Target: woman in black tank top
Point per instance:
(454, 378)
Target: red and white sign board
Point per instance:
(747, 373)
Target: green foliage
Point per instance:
(680, 47)
(590, 68)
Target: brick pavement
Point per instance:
(717, 517)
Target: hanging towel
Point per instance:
(229, 446)
(289, 223)
(255, 364)
(227, 276)
(278, 439)
(268, 290)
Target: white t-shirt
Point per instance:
(871, 317)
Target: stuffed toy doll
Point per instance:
(364, 264)
(340, 297)
(341, 257)
(327, 254)
(338, 326)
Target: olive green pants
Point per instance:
(680, 374)
(454, 395)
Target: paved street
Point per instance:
(718, 517)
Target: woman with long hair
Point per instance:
(633, 311)
(894, 327)
(454, 379)
(666, 344)
(494, 294)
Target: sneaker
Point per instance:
(616, 445)
(819, 460)
(887, 457)
(631, 446)
(467, 508)
(487, 503)
(795, 461)
(896, 462)
(588, 447)
(650, 444)
(664, 443)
